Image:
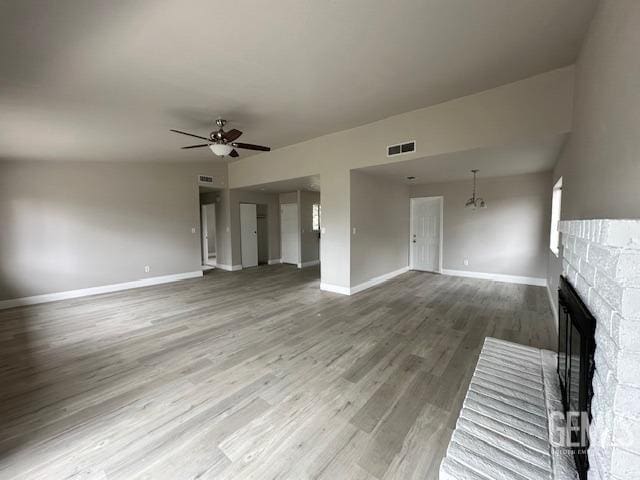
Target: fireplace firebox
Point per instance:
(576, 347)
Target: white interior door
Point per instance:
(289, 233)
(426, 232)
(249, 234)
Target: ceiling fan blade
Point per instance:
(190, 134)
(234, 154)
(249, 146)
(232, 135)
(196, 146)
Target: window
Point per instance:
(556, 201)
(316, 217)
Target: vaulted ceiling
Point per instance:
(101, 80)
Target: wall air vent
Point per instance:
(205, 180)
(401, 149)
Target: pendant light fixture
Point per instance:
(475, 202)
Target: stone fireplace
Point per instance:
(601, 259)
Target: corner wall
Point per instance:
(509, 237)
(600, 164)
(76, 225)
(380, 217)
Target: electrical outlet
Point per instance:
(147, 269)
(354, 230)
(193, 230)
(323, 230)
(466, 262)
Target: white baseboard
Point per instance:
(229, 268)
(309, 264)
(85, 292)
(498, 277)
(327, 287)
(274, 261)
(363, 286)
(378, 280)
(554, 307)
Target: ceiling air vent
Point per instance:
(205, 180)
(401, 149)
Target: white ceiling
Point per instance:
(103, 80)
(501, 161)
(307, 184)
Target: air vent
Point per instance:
(401, 149)
(205, 180)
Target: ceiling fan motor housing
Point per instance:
(217, 136)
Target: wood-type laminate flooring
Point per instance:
(254, 374)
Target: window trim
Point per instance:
(313, 208)
(556, 209)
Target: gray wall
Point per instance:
(73, 225)
(600, 165)
(530, 109)
(510, 236)
(380, 215)
(223, 229)
(309, 240)
(236, 197)
(289, 197)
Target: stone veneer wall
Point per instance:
(601, 259)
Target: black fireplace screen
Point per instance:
(576, 346)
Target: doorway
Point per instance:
(425, 247)
(208, 232)
(263, 233)
(208, 229)
(289, 233)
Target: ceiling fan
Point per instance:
(223, 143)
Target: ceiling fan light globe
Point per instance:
(221, 149)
